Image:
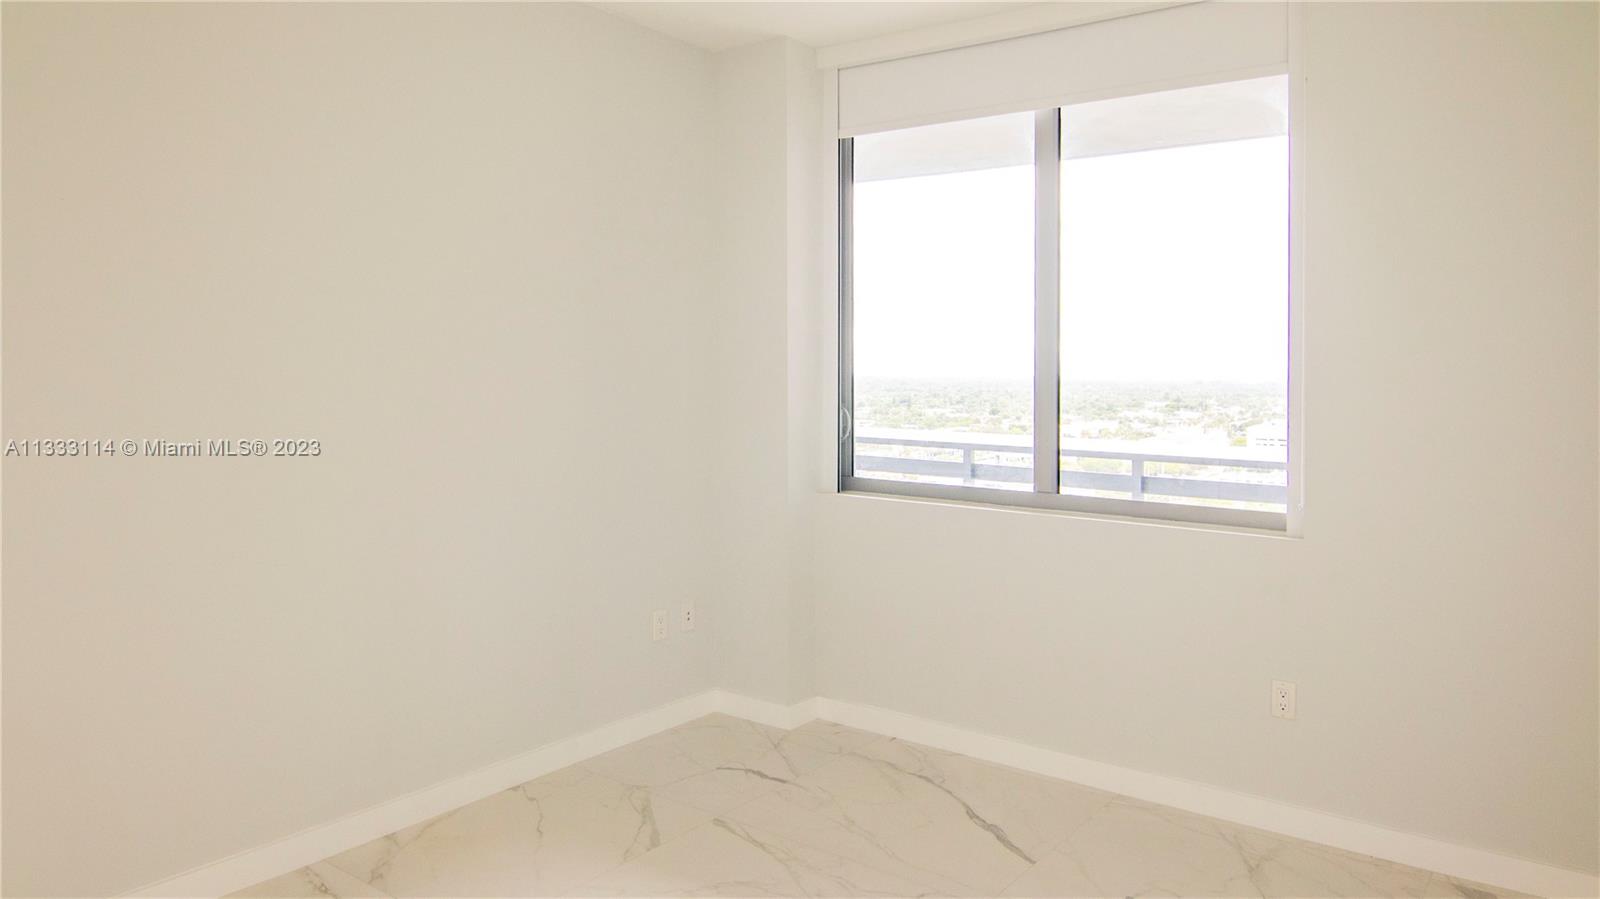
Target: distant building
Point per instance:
(1268, 434)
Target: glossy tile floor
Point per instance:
(725, 807)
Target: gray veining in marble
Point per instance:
(318, 881)
(721, 806)
(540, 839)
(967, 827)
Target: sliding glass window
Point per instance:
(1102, 285)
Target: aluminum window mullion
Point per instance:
(846, 433)
(1047, 301)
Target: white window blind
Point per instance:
(1199, 43)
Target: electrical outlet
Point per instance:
(1282, 699)
(658, 624)
(687, 621)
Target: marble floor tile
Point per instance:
(810, 746)
(540, 839)
(718, 762)
(684, 750)
(963, 826)
(1442, 886)
(1057, 874)
(1134, 848)
(726, 807)
(1286, 867)
(728, 859)
(318, 881)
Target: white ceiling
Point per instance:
(719, 26)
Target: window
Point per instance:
(1102, 285)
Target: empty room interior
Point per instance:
(825, 449)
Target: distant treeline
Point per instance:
(1123, 411)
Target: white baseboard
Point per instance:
(255, 865)
(761, 711)
(1255, 811)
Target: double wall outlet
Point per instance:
(660, 621)
(1282, 699)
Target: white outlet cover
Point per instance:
(1283, 699)
(658, 624)
(688, 619)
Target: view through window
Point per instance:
(943, 284)
(1172, 351)
(1174, 296)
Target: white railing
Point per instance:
(1136, 483)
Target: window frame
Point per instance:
(1045, 493)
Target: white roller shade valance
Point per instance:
(1185, 45)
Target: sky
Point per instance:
(1174, 268)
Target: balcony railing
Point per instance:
(1136, 483)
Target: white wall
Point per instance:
(761, 450)
(1439, 615)
(457, 244)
